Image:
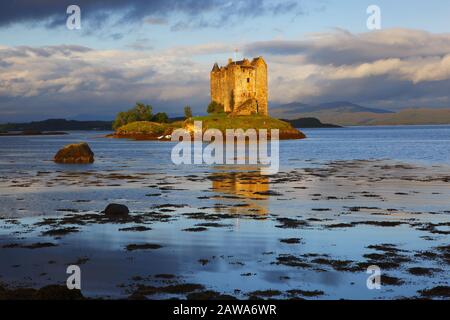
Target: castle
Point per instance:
(241, 86)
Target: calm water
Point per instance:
(242, 253)
(414, 144)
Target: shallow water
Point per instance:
(336, 205)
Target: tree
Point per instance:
(140, 112)
(215, 107)
(143, 112)
(161, 117)
(121, 119)
(187, 112)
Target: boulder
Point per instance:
(116, 210)
(75, 153)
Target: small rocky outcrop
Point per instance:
(75, 153)
(116, 210)
(291, 134)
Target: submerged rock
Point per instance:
(116, 210)
(75, 153)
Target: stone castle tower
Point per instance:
(241, 86)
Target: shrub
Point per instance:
(161, 117)
(215, 107)
(187, 112)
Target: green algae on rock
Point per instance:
(75, 153)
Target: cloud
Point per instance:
(400, 68)
(143, 44)
(68, 80)
(342, 47)
(155, 21)
(156, 12)
(392, 67)
(202, 49)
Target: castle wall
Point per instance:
(244, 85)
(236, 83)
(262, 87)
(215, 87)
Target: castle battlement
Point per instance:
(241, 86)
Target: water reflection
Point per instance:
(250, 187)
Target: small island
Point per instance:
(239, 100)
(151, 130)
(307, 123)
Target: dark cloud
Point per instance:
(156, 21)
(384, 92)
(233, 11)
(90, 106)
(53, 12)
(394, 67)
(342, 47)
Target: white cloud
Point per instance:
(331, 65)
(391, 67)
(36, 72)
(66, 81)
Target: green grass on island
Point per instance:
(221, 121)
(142, 127)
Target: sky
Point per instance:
(160, 52)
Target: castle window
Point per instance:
(248, 80)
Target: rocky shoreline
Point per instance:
(283, 135)
(153, 131)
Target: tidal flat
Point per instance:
(223, 232)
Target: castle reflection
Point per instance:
(242, 192)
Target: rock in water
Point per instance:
(116, 210)
(75, 153)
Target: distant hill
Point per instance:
(345, 106)
(411, 116)
(415, 116)
(298, 109)
(345, 113)
(64, 125)
(305, 123)
(57, 125)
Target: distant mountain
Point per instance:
(345, 106)
(91, 117)
(304, 123)
(298, 109)
(412, 116)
